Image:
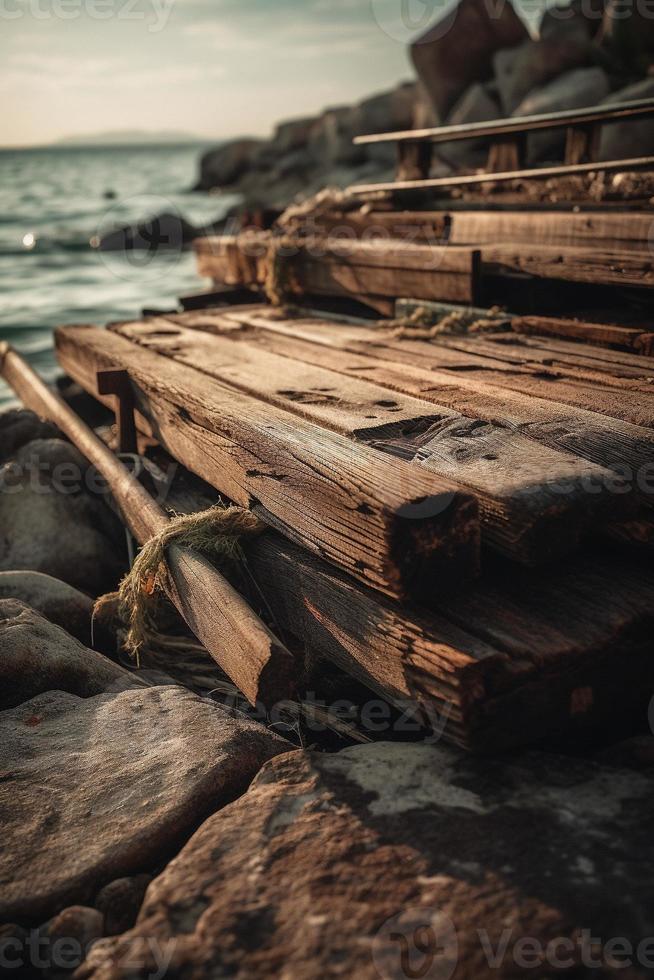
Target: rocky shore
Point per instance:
(476, 65)
(151, 831)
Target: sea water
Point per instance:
(53, 203)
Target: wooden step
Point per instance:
(536, 503)
(400, 529)
(370, 271)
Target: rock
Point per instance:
(331, 138)
(72, 932)
(37, 656)
(572, 90)
(227, 163)
(627, 34)
(521, 70)
(53, 522)
(56, 601)
(161, 232)
(458, 51)
(477, 104)
(580, 20)
(629, 138)
(107, 787)
(120, 901)
(18, 426)
(396, 860)
(292, 134)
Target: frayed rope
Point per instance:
(216, 532)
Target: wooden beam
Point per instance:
(546, 412)
(535, 503)
(589, 265)
(625, 230)
(336, 267)
(610, 112)
(501, 177)
(402, 531)
(521, 657)
(605, 334)
(260, 666)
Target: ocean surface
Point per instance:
(53, 202)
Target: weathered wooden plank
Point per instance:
(517, 124)
(626, 448)
(506, 176)
(401, 530)
(260, 666)
(589, 661)
(587, 265)
(623, 230)
(627, 230)
(344, 268)
(461, 368)
(536, 503)
(608, 334)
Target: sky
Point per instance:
(215, 68)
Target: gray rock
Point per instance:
(580, 20)
(71, 932)
(107, 787)
(161, 232)
(60, 603)
(521, 70)
(572, 90)
(37, 656)
(629, 139)
(51, 521)
(120, 902)
(627, 35)
(477, 104)
(399, 860)
(18, 426)
(458, 50)
(224, 166)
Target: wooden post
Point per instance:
(414, 160)
(507, 152)
(260, 666)
(582, 143)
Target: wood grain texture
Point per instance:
(400, 530)
(345, 268)
(562, 384)
(536, 503)
(585, 265)
(623, 447)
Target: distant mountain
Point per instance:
(123, 137)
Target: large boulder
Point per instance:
(55, 600)
(580, 20)
(397, 860)
(18, 426)
(107, 787)
(458, 50)
(521, 70)
(478, 104)
(629, 138)
(36, 656)
(572, 90)
(627, 35)
(226, 164)
(55, 519)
